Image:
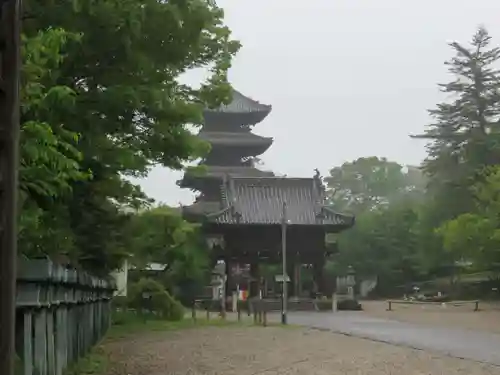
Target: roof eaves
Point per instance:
(215, 215)
(343, 219)
(226, 216)
(241, 104)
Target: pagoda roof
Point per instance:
(202, 208)
(250, 200)
(236, 139)
(241, 109)
(219, 172)
(241, 104)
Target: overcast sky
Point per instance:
(346, 78)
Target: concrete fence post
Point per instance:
(64, 312)
(334, 302)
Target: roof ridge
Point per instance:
(238, 100)
(235, 134)
(288, 178)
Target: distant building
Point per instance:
(121, 276)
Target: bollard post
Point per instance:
(476, 308)
(390, 306)
(334, 302)
(238, 308)
(265, 319)
(234, 302)
(193, 312)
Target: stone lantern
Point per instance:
(350, 281)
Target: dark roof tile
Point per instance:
(241, 111)
(241, 104)
(260, 201)
(236, 139)
(218, 172)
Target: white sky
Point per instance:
(346, 78)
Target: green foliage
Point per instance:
(463, 135)
(384, 241)
(160, 235)
(151, 295)
(49, 152)
(384, 244)
(101, 101)
(406, 231)
(119, 303)
(466, 235)
(464, 145)
(474, 236)
(369, 183)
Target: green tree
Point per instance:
(49, 155)
(433, 259)
(383, 243)
(118, 91)
(474, 236)
(463, 136)
(160, 235)
(369, 183)
(467, 237)
(386, 198)
(160, 301)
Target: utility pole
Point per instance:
(284, 294)
(10, 24)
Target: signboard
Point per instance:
(279, 278)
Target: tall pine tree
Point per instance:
(464, 134)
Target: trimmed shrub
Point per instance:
(349, 304)
(119, 303)
(150, 295)
(324, 305)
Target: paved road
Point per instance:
(478, 346)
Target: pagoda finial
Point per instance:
(317, 174)
(318, 179)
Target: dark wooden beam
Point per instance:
(10, 13)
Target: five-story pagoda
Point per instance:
(243, 208)
(234, 149)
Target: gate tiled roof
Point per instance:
(259, 200)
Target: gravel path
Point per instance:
(272, 350)
(474, 345)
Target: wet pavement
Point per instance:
(473, 345)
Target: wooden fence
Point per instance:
(392, 302)
(60, 315)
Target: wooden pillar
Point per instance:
(298, 278)
(10, 65)
(318, 266)
(254, 283)
(229, 281)
(291, 274)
